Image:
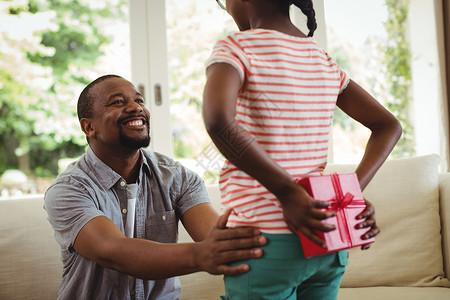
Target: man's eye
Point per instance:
(118, 101)
(140, 101)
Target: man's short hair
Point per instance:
(85, 103)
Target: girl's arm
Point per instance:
(301, 212)
(385, 128)
(386, 131)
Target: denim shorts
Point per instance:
(284, 273)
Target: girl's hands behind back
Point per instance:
(303, 213)
(370, 222)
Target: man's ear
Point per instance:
(87, 127)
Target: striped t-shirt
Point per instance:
(287, 103)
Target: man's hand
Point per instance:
(225, 245)
(302, 212)
(369, 215)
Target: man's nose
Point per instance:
(133, 106)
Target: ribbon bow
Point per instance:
(341, 200)
(339, 204)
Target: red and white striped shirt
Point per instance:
(287, 103)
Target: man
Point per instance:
(115, 211)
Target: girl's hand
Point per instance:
(369, 215)
(302, 212)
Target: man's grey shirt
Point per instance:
(89, 188)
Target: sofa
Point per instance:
(410, 258)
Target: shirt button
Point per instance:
(124, 211)
(122, 183)
(164, 218)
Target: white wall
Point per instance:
(427, 67)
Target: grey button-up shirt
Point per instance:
(89, 188)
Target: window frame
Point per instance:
(149, 67)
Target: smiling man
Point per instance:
(115, 211)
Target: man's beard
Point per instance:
(134, 143)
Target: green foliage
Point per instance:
(397, 60)
(71, 46)
(15, 126)
(211, 177)
(41, 124)
(31, 6)
(395, 84)
(19, 136)
(75, 44)
(340, 118)
(44, 162)
(76, 41)
(181, 149)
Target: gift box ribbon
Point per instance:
(339, 204)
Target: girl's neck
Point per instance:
(290, 30)
(279, 23)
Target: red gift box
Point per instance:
(344, 193)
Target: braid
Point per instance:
(306, 6)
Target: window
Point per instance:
(193, 27)
(162, 46)
(358, 50)
(49, 51)
(355, 41)
(398, 61)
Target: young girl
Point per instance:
(268, 104)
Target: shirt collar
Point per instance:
(107, 176)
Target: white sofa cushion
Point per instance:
(30, 258)
(408, 250)
(394, 293)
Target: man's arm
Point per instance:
(101, 241)
(199, 220)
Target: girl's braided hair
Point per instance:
(306, 6)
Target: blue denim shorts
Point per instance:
(284, 273)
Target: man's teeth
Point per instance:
(135, 123)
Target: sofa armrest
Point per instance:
(444, 202)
